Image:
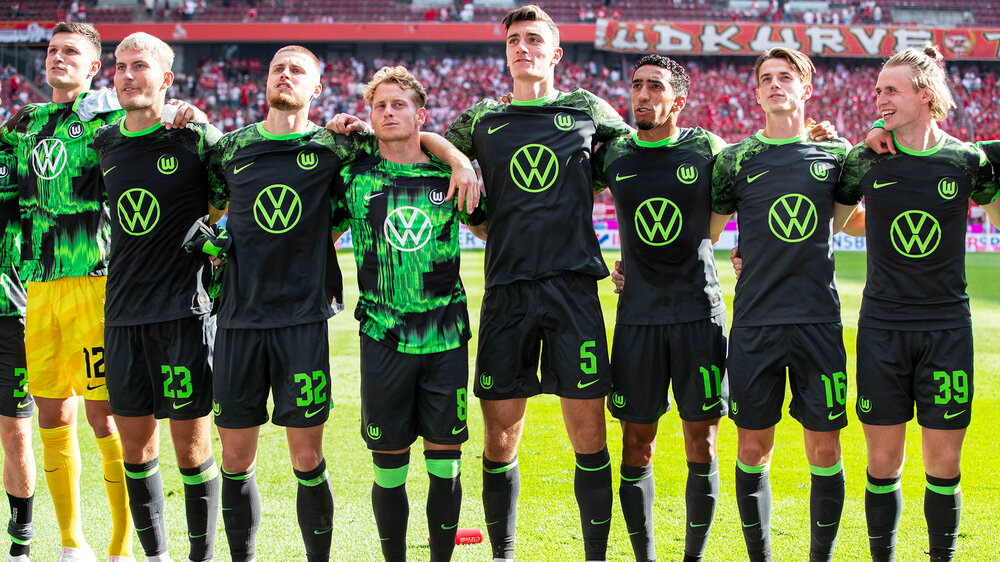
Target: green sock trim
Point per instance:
(830, 471)
(444, 468)
(16, 540)
(887, 489)
(315, 481)
(144, 474)
(751, 469)
(500, 470)
(606, 465)
(626, 479)
(391, 477)
(210, 473)
(945, 490)
(237, 475)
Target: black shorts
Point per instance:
(293, 363)
(162, 369)
(691, 357)
(15, 402)
(897, 369)
(557, 318)
(406, 395)
(814, 357)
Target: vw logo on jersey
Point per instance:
(436, 196)
(75, 130)
(277, 208)
(915, 234)
(166, 164)
(407, 229)
(48, 158)
(307, 160)
(658, 221)
(792, 218)
(820, 170)
(138, 211)
(534, 168)
(4, 171)
(948, 188)
(564, 121)
(687, 174)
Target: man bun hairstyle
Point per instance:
(927, 71)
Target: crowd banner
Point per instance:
(752, 38)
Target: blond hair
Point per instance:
(927, 71)
(531, 12)
(400, 76)
(801, 64)
(140, 41)
(300, 49)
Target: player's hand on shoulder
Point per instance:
(821, 131)
(185, 113)
(880, 141)
(464, 185)
(734, 256)
(618, 276)
(345, 124)
(506, 98)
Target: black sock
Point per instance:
(314, 508)
(389, 502)
(19, 527)
(636, 491)
(592, 485)
(826, 504)
(700, 495)
(753, 496)
(943, 511)
(241, 512)
(883, 506)
(501, 486)
(444, 501)
(145, 500)
(201, 507)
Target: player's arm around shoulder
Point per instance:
(723, 191)
(609, 122)
(464, 184)
(986, 190)
(218, 189)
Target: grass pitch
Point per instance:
(548, 521)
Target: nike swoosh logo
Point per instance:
(492, 130)
(319, 532)
(179, 406)
(830, 416)
(705, 408)
(619, 177)
(108, 171)
(373, 195)
(751, 179)
(53, 470)
(446, 528)
(698, 524)
(877, 185)
(752, 524)
(313, 413)
(949, 415)
(112, 481)
(143, 529)
(457, 431)
(23, 404)
(197, 536)
(818, 524)
(581, 384)
(592, 522)
(93, 387)
(241, 168)
(635, 533)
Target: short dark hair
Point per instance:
(85, 29)
(679, 79)
(800, 63)
(531, 12)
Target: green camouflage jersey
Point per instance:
(535, 157)
(916, 216)
(783, 191)
(663, 196)
(156, 182)
(405, 238)
(280, 194)
(12, 296)
(64, 218)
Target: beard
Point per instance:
(647, 125)
(285, 100)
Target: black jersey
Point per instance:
(12, 296)
(65, 226)
(279, 190)
(535, 157)
(916, 216)
(663, 196)
(405, 238)
(156, 181)
(783, 191)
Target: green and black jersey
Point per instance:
(64, 218)
(783, 191)
(535, 157)
(405, 238)
(663, 198)
(916, 216)
(156, 182)
(12, 296)
(280, 194)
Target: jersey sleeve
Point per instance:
(218, 191)
(353, 147)
(715, 142)
(610, 124)
(208, 136)
(598, 165)
(848, 188)
(723, 190)
(10, 133)
(460, 132)
(984, 190)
